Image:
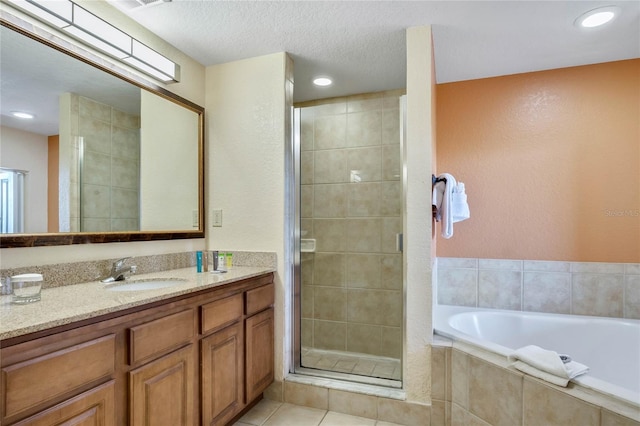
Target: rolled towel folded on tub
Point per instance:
(546, 365)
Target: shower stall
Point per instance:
(349, 277)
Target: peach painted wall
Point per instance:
(550, 161)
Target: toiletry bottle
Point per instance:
(199, 261)
(205, 261)
(229, 260)
(214, 260)
(222, 262)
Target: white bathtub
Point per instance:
(609, 347)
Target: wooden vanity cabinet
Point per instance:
(259, 340)
(182, 361)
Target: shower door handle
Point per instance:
(399, 242)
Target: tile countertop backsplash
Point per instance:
(73, 292)
(67, 304)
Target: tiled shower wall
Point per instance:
(351, 205)
(111, 172)
(578, 288)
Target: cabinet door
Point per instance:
(222, 356)
(259, 368)
(94, 407)
(161, 392)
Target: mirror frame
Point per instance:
(41, 35)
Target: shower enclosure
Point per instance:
(349, 280)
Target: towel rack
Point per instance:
(435, 180)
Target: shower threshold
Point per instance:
(353, 367)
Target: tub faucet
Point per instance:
(118, 271)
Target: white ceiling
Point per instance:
(361, 44)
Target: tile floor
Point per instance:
(346, 362)
(272, 413)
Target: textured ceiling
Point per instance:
(361, 44)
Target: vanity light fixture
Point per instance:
(322, 81)
(597, 17)
(96, 32)
(22, 114)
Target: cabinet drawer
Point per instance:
(221, 313)
(38, 380)
(259, 299)
(160, 336)
(94, 407)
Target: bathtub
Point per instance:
(609, 347)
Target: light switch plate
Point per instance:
(216, 217)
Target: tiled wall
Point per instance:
(578, 288)
(471, 387)
(351, 205)
(110, 179)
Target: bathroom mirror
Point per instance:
(109, 157)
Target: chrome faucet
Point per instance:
(118, 271)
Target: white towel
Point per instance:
(450, 201)
(459, 205)
(546, 365)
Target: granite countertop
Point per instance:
(67, 304)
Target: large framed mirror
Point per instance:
(108, 157)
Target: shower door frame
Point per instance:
(293, 248)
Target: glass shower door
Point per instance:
(350, 276)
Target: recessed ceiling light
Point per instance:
(21, 114)
(597, 17)
(322, 81)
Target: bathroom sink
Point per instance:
(145, 284)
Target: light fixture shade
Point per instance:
(148, 69)
(96, 42)
(101, 29)
(57, 14)
(60, 8)
(96, 32)
(22, 114)
(597, 17)
(322, 81)
(153, 58)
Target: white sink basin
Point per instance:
(145, 284)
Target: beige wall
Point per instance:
(418, 263)
(246, 171)
(28, 151)
(168, 153)
(550, 161)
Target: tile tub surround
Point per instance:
(471, 386)
(578, 288)
(63, 274)
(351, 205)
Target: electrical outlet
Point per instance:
(216, 218)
